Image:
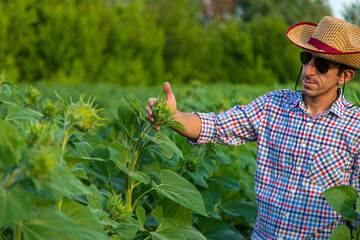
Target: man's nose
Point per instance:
(310, 69)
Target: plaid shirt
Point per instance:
(298, 157)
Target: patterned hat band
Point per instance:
(333, 39)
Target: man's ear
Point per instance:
(346, 75)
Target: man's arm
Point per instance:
(190, 121)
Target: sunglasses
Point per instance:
(321, 64)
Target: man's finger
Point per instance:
(152, 101)
(149, 110)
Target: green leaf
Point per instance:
(120, 154)
(356, 233)
(11, 144)
(166, 143)
(198, 179)
(233, 204)
(342, 232)
(191, 233)
(95, 195)
(141, 215)
(128, 118)
(64, 104)
(60, 183)
(74, 160)
(128, 228)
(223, 231)
(342, 200)
(6, 90)
(87, 223)
(169, 209)
(241, 208)
(136, 105)
(140, 176)
(226, 181)
(17, 112)
(79, 173)
(92, 150)
(215, 229)
(59, 97)
(180, 191)
(168, 230)
(15, 204)
(358, 205)
(176, 124)
(49, 224)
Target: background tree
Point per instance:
(352, 13)
(290, 11)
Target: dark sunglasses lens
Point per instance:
(322, 65)
(305, 57)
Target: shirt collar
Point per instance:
(337, 108)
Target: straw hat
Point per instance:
(333, 39)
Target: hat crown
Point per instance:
(338, 34)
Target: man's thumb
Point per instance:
(167, 90)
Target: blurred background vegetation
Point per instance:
(143, 42)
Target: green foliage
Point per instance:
(33, 178)
(291, 12)
(266, 34)
(60, 182)
(352, 13)
(343, 199)
(143, 42)
(75, 41)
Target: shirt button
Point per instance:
(286, 214)
(298, 168)
(309, 124)
(303, 144)
(293, 191)
(280, 238)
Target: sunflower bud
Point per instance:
(32, 95)
(164, 116)
(42, 162)
(162, 112)
(116, 206)
(85, 114)
(40, 133)
(49, 108)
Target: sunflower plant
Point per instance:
(345, 200)
(38, 191)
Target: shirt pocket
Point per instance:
(328, 169)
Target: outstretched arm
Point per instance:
(190, 121)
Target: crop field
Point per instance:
(81, 162)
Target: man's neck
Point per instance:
(319, 104)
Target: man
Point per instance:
(308, 141)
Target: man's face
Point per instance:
(317, 85)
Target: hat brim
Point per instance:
(300, 34)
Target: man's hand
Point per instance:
(190, 121)
(170, 101)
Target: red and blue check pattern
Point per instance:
(298, 157)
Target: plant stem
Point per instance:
(64, 139)
(67, 132)
(59, 205)
(139, 198)
(17, 234)
(112, 189)
(133, 159)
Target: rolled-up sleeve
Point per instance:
(236, 126)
